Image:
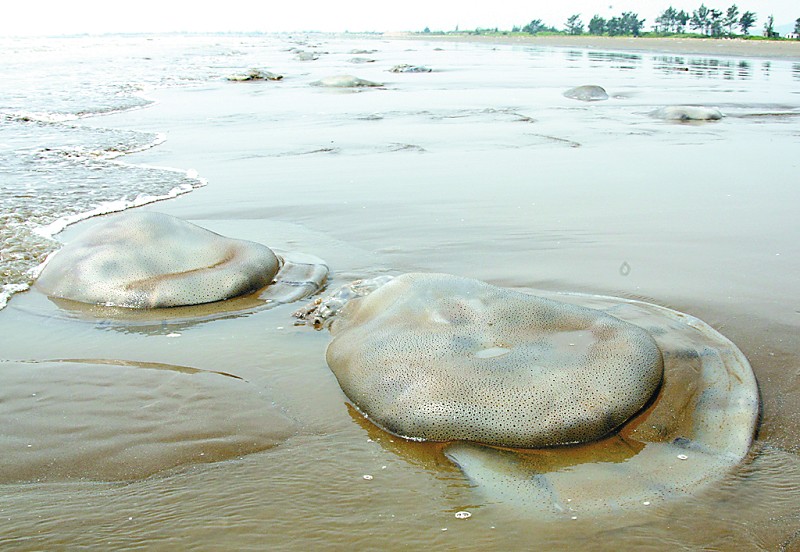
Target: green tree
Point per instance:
(680, 21)
(715, 23)
(700, 19)
(614, 26)
(574, 25)
(797, 27)
(666, 22)
(747, 20)
(769, 28)
(597, 25)
(731, 18)
(535, 26)
(627, 24)
(631, 24)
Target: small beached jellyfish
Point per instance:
(685, 113)
(587, 93)
(566, 405)
(254, 74)
(150, 260)
(345, 81)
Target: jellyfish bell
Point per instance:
(441, 358)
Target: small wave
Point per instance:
(39, 117)
(47, 246)
(135, 102)
(58, 225)
(108, 154)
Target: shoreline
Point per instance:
(771, 49)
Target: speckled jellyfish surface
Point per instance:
(597, 404)
(145, 260)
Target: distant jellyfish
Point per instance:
(587, 93)
(345, 81)
(408, 68)
(150, 260)
(685, 113)
(254, 75)
(306, 56)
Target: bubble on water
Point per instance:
(682, 457)
(368, 477)
(463, 515)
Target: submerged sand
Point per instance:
(481, 169)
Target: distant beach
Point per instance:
(777, 49)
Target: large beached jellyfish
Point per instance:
(151, 260)
(573, 404)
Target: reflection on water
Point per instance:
(615, 60)
(705, 67)
(574, 55)
(164, 321)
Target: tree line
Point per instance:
(705, 21)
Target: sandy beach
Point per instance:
(772, 49)
(481, 168)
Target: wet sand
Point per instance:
(483, 170)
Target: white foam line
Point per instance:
(60, 224)
(41, 116)
(8, 290)
(157, 141)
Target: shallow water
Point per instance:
(58, 166)
(482, 169)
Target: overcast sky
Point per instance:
(31, 17)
